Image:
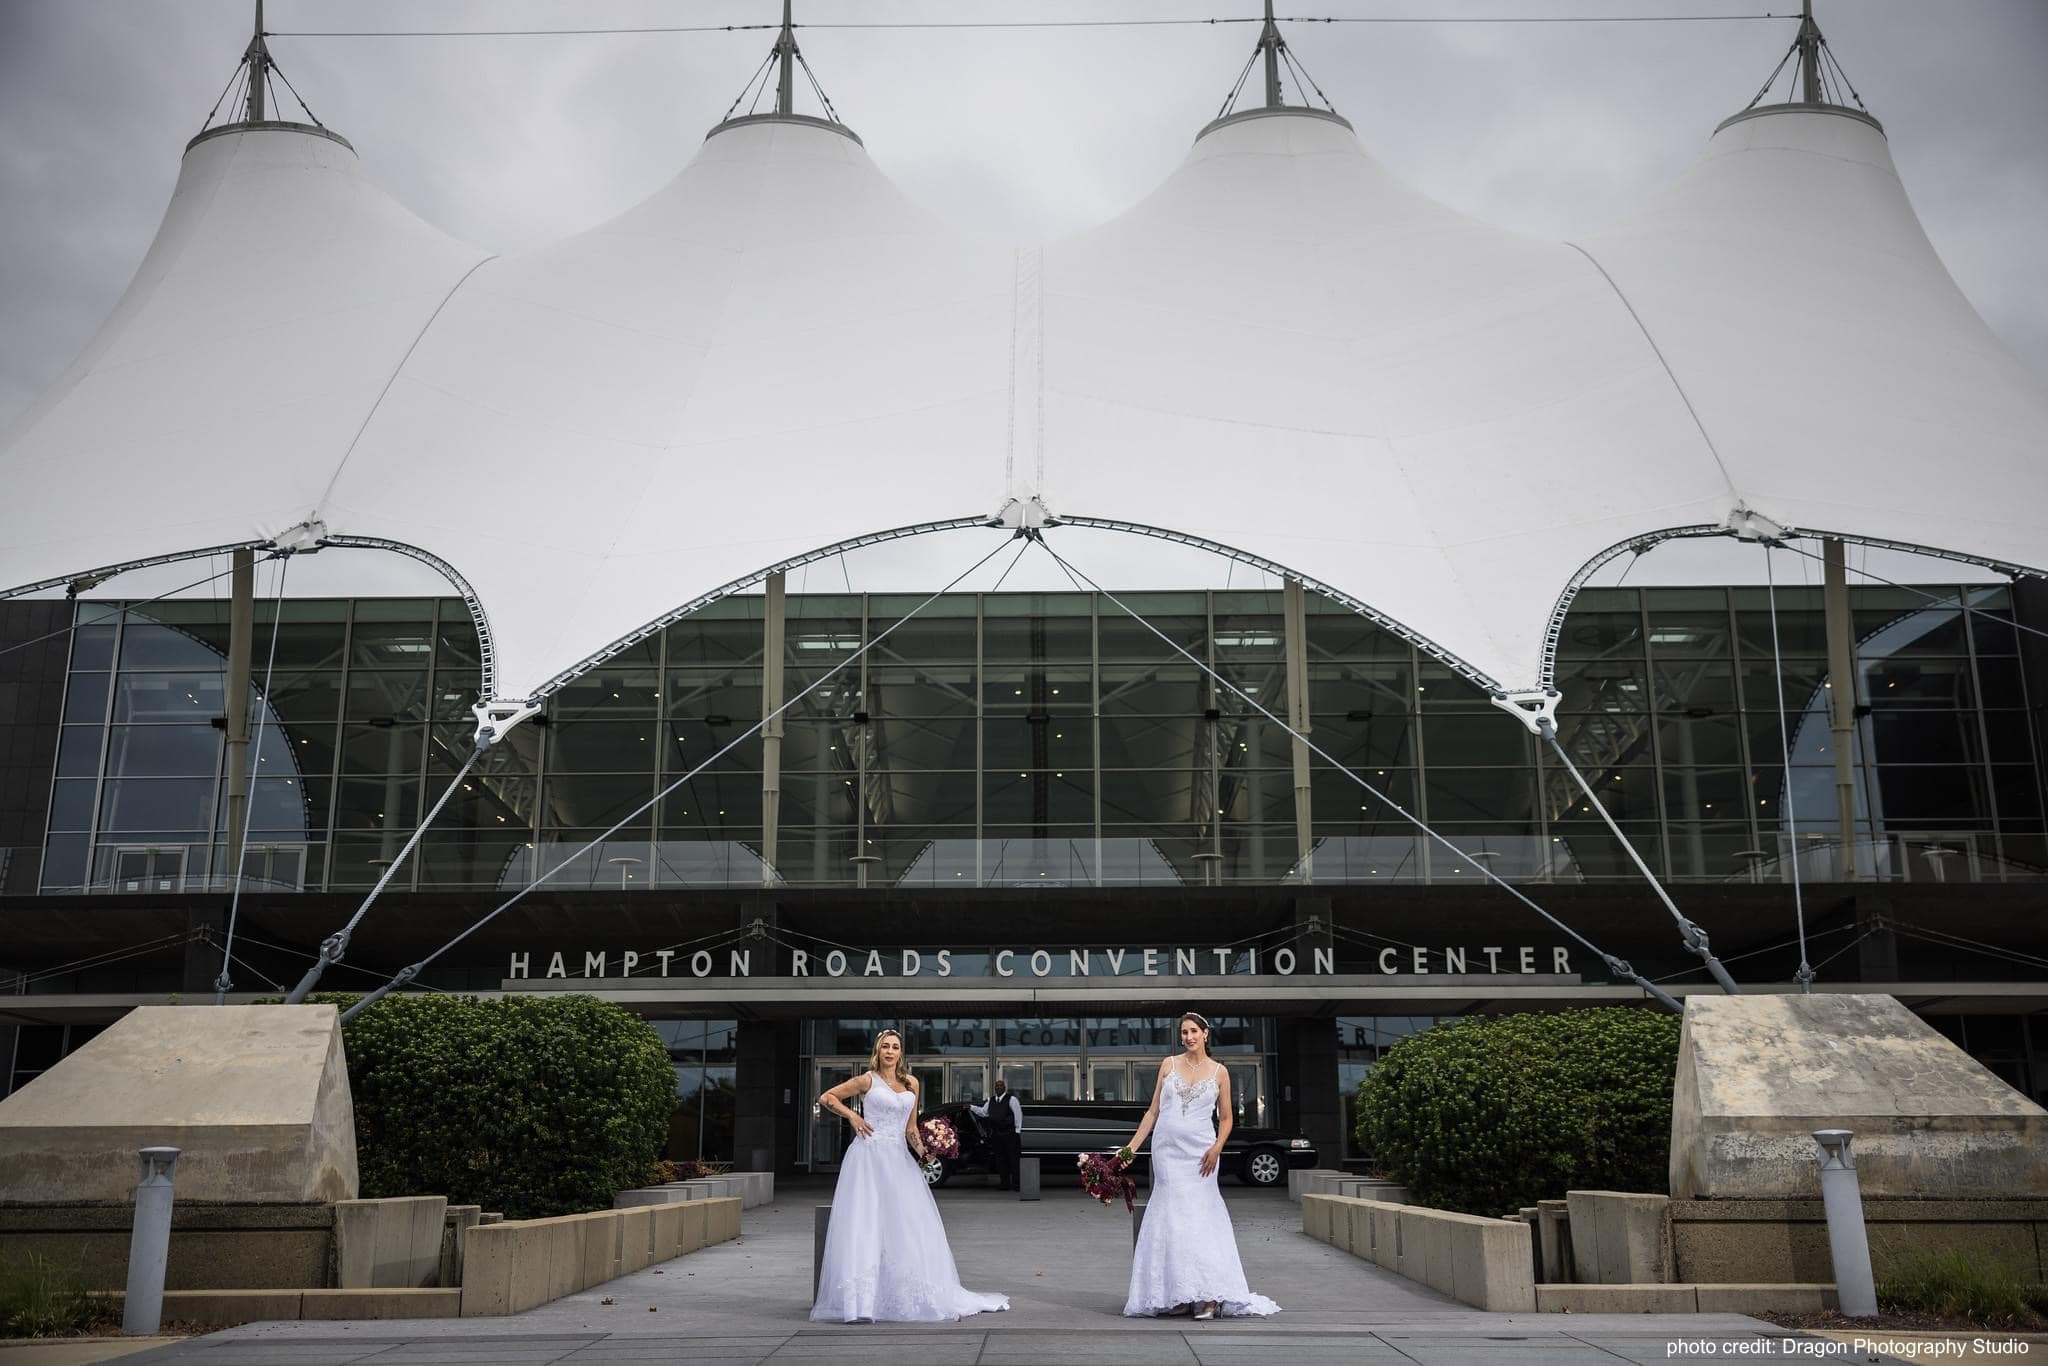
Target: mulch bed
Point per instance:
(1906, 1323)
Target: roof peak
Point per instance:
(254, 96)
(1277, 62)
(1817, 81)
(782, 63)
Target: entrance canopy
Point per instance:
(1283, 352)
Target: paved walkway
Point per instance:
(1063, 1262)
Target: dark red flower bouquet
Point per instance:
(941, 1139)
(1107, 1177)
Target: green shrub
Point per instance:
(40, 1300)
(1953, 1284)
(529, 1105)
(1486, 1115)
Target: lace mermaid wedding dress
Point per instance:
(1187, 1249)
(886, 1254)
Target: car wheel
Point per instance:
(936, 1172)
(1263, 1167)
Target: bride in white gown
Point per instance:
(886, 1254)
(1186, 1260)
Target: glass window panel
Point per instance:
(1586, 850)
(78, 752)
(820, 799)
(729, 694)
(1142, 742)
(1380, 688)
(1256, 853)
(455, 638)
(92, 642)
(2009, 738)
(1915, 628)
(156, 804)
(1992, 631)
(1337, 797)
(1604, 740)
(1482, 794)
(2000, 682)
(1154, 690)
(312, 695)
(386, 804)
(706, 639)
(285, 806)
(1894, 683)
(1254, 742)
(147, 645)
(916, 744)
(389, 644)
(1012, 688)
(472, 858)
(386, 695)
(1691, 738)
(1012, 796)
(1037, 856)
(2018, 789)
(1712, 850)
(616, 691)
(1706, 794)
(1438, 689)
(1802, 622)
(939, 691)
(596, 799)
(163, 751)
(831, 746)
(1366, 742)
(1688, 623)
(1337, 632)
(1603, 685)
(64, 860)
(1256, 795)
(1012, 741)
(1925, 795)
(724, 746)
(1602, 628)
(1461, 739)
(1125, 639)
(382, 749)
(168, 697)
(1148, 796)
(1629, 794)
(85, 697)
(1925, 737)
(1032, 626)
(712, 801)
(921, 798)
(71, 804)
(921, 637)
(603, 746)
(456, 692)
(1803, 683)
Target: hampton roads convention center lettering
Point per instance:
(1491, 959)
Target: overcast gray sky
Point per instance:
(1549, 129)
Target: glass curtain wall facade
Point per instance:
(1048, 739)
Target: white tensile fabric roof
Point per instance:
(1283, 351)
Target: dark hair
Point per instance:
(1187, 1015)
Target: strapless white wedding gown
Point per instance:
(886, 1254)
(1187, 1249)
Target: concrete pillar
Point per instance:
(757, 1096)
(1842, 690)
(1308, 1065)
(241, 638)
(772, 651)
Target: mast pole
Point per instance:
(1809, 54)
(258, 59)
(1269, 44)
(785, 56)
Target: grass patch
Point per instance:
(39, 1299)
(1954, 1284)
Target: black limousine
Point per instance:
(1057, 1132)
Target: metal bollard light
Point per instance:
(1848, 1242)
(149, 1244)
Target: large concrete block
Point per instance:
(1493, 1266)
(635, 1237)
(389, 1243)
(694, 1231)
(255, 1097)
(213, 1247)
(668, 1231)
(1620, 1238)
(721, 1220)
(1297, 1180)
(1317, 1213)
(1767, 1299)
(1757, 1074)
(506, 1267)
(1554, 1235)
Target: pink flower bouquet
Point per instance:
(1107, 1177)
(941, 1139)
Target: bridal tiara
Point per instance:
(1197, 1017)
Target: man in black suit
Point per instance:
(1005, 1116)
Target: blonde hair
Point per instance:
(902, 1058)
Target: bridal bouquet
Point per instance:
(941, 1139)
(1106, 1176)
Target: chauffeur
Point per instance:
(1005, 1118)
